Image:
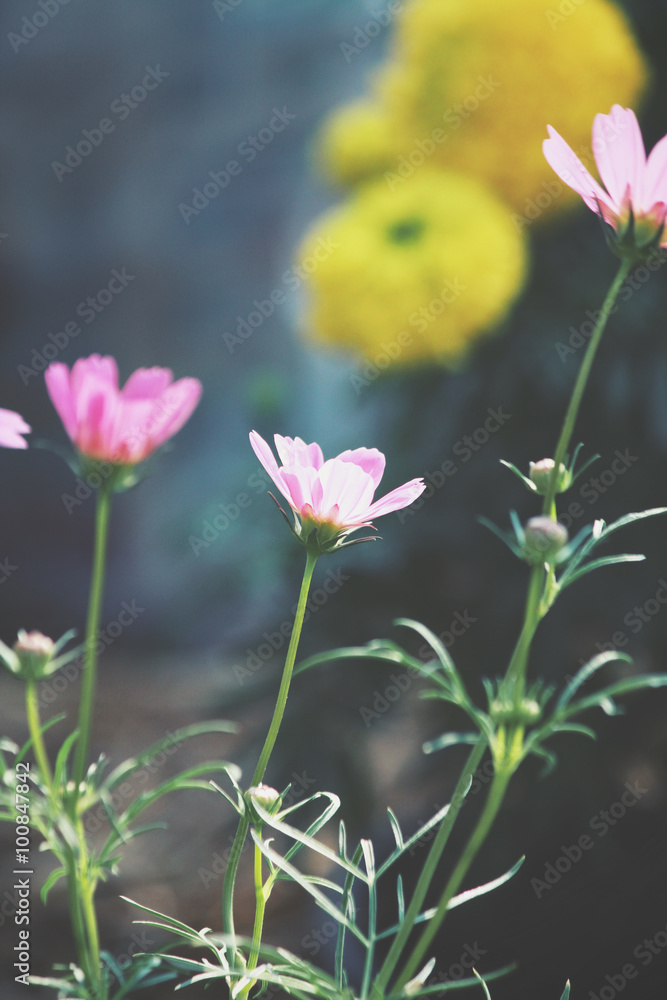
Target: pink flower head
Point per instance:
(633, 201)
(333, 498)
(12, 426)
(120, 426)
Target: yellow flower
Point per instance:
(419, 269)
(491, 74)
(357, 141)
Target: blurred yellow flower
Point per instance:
(419, 270)
(491, 75)
(357, 141)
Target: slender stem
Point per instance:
(582, 379)
(35, 727)
(278, 712)
(485, 822)
(260, 906)
(78, 930)
(515, 679)
(87, 892)
(428, 871)
(92, 626)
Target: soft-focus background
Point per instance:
(200, 551)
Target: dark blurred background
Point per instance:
(208, 611)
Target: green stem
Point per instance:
(484, 824)
(429, 869)
(35, 727)
(74, 897)
(260, 906)
(278, 712)
(514, 682)
(582, 379)
(92, 627)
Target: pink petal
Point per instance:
(171, 410)
(147, 383)
(297, 452)
(571, 170)
(619, 153)
(104, 370)
(403, 496)
(370, 460)
(348, 486)
(299, 480)
(58, 385)
(12, 426)
(655, 179)
(266, 457)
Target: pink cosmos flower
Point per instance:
(634, 203)
(121, 426)
(331, 498)
(12, 426)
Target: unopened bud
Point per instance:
(264, 796)
(506, 712)
(540, 474)
(34, 652)
(543, 540)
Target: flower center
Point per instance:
(406, 230)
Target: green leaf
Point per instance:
(414, 839)
(440, 988)
(585, 673)
(308, 841)
(439, 649)
(132, 764)
(481, 890)
(54, 877)
(485, 987)
(565, 995)
(567, 579)
(449, 740)
(322, 901)
(524, 479)
(396, 828)
(599, 699)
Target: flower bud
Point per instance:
(540, 474)
(34, 652)
(543, 540)
(506, 712)
(265, 797)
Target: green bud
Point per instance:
(506, 712)
(543, 540)
(540, 474)
(265, 797)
